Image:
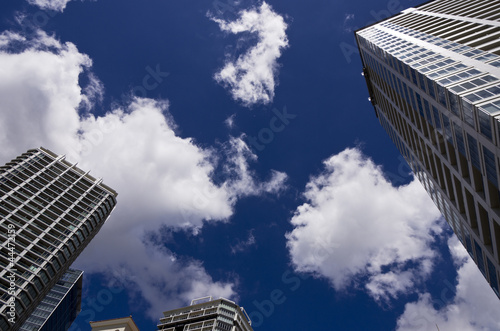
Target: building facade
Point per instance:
(59, 307)
(49, 211)
(117, 324)
(433, 76)
(206, 314)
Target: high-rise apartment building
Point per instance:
(59, 307)
(49, 211)
(433, 77)
(206, 314)
(122, 324)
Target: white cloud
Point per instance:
(475, 306)
(8, 37)
(251, 78)
(161, 178)
(57, 5)
(38, 94)
(356, 225)
(230, 121)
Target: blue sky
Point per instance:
(248, 161)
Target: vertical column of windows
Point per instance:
(447, 129)
(490, 166)
(479, 258)
(473, 151)
(492, 273)
(459, 137)
(485, 227)
(471, 209)
(449, 184)
(459, 195)
(468, 242)
(458, 227)
(485, 126)
(439, 169)
(468, 113)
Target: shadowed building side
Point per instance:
(49, 212)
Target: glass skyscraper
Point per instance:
(59, 307)
(49, 211)
(433, 78)
(207, 314)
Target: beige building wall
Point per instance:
(117, 324)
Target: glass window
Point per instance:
(460, 139)
(495, 63)
(453, 99)
(473, 151)
(490, 165)
(428, 112)
(491, 108)
(485, 124)
(412, 98)
(419, 104)
(38, 284)
(430, 84)
(421, 81)
(50, 270)
(468, 242)
(43, 276)
(441, 95)
(447, 129)
(56, 264)
(468, 112)
(25, 299)
(473, 52)
(494, 90)
(486, 57)
(437, 120)
(31, 291)
(480, 259)
(71, 246)
(492, 272)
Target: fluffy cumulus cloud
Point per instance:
(162, 179)
(251, 78)
(358, 230)
(474, 306)
(39, 93)
(57, 5)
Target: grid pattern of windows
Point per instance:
(59, 307)
(433, 78)
(53, 209)
(213, 315)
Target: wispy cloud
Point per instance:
(347, 25)
(251, 78)
(242, 246)
(357, 227)
(230, 121)
(348, 17)
(162, 179)
(474, 306)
